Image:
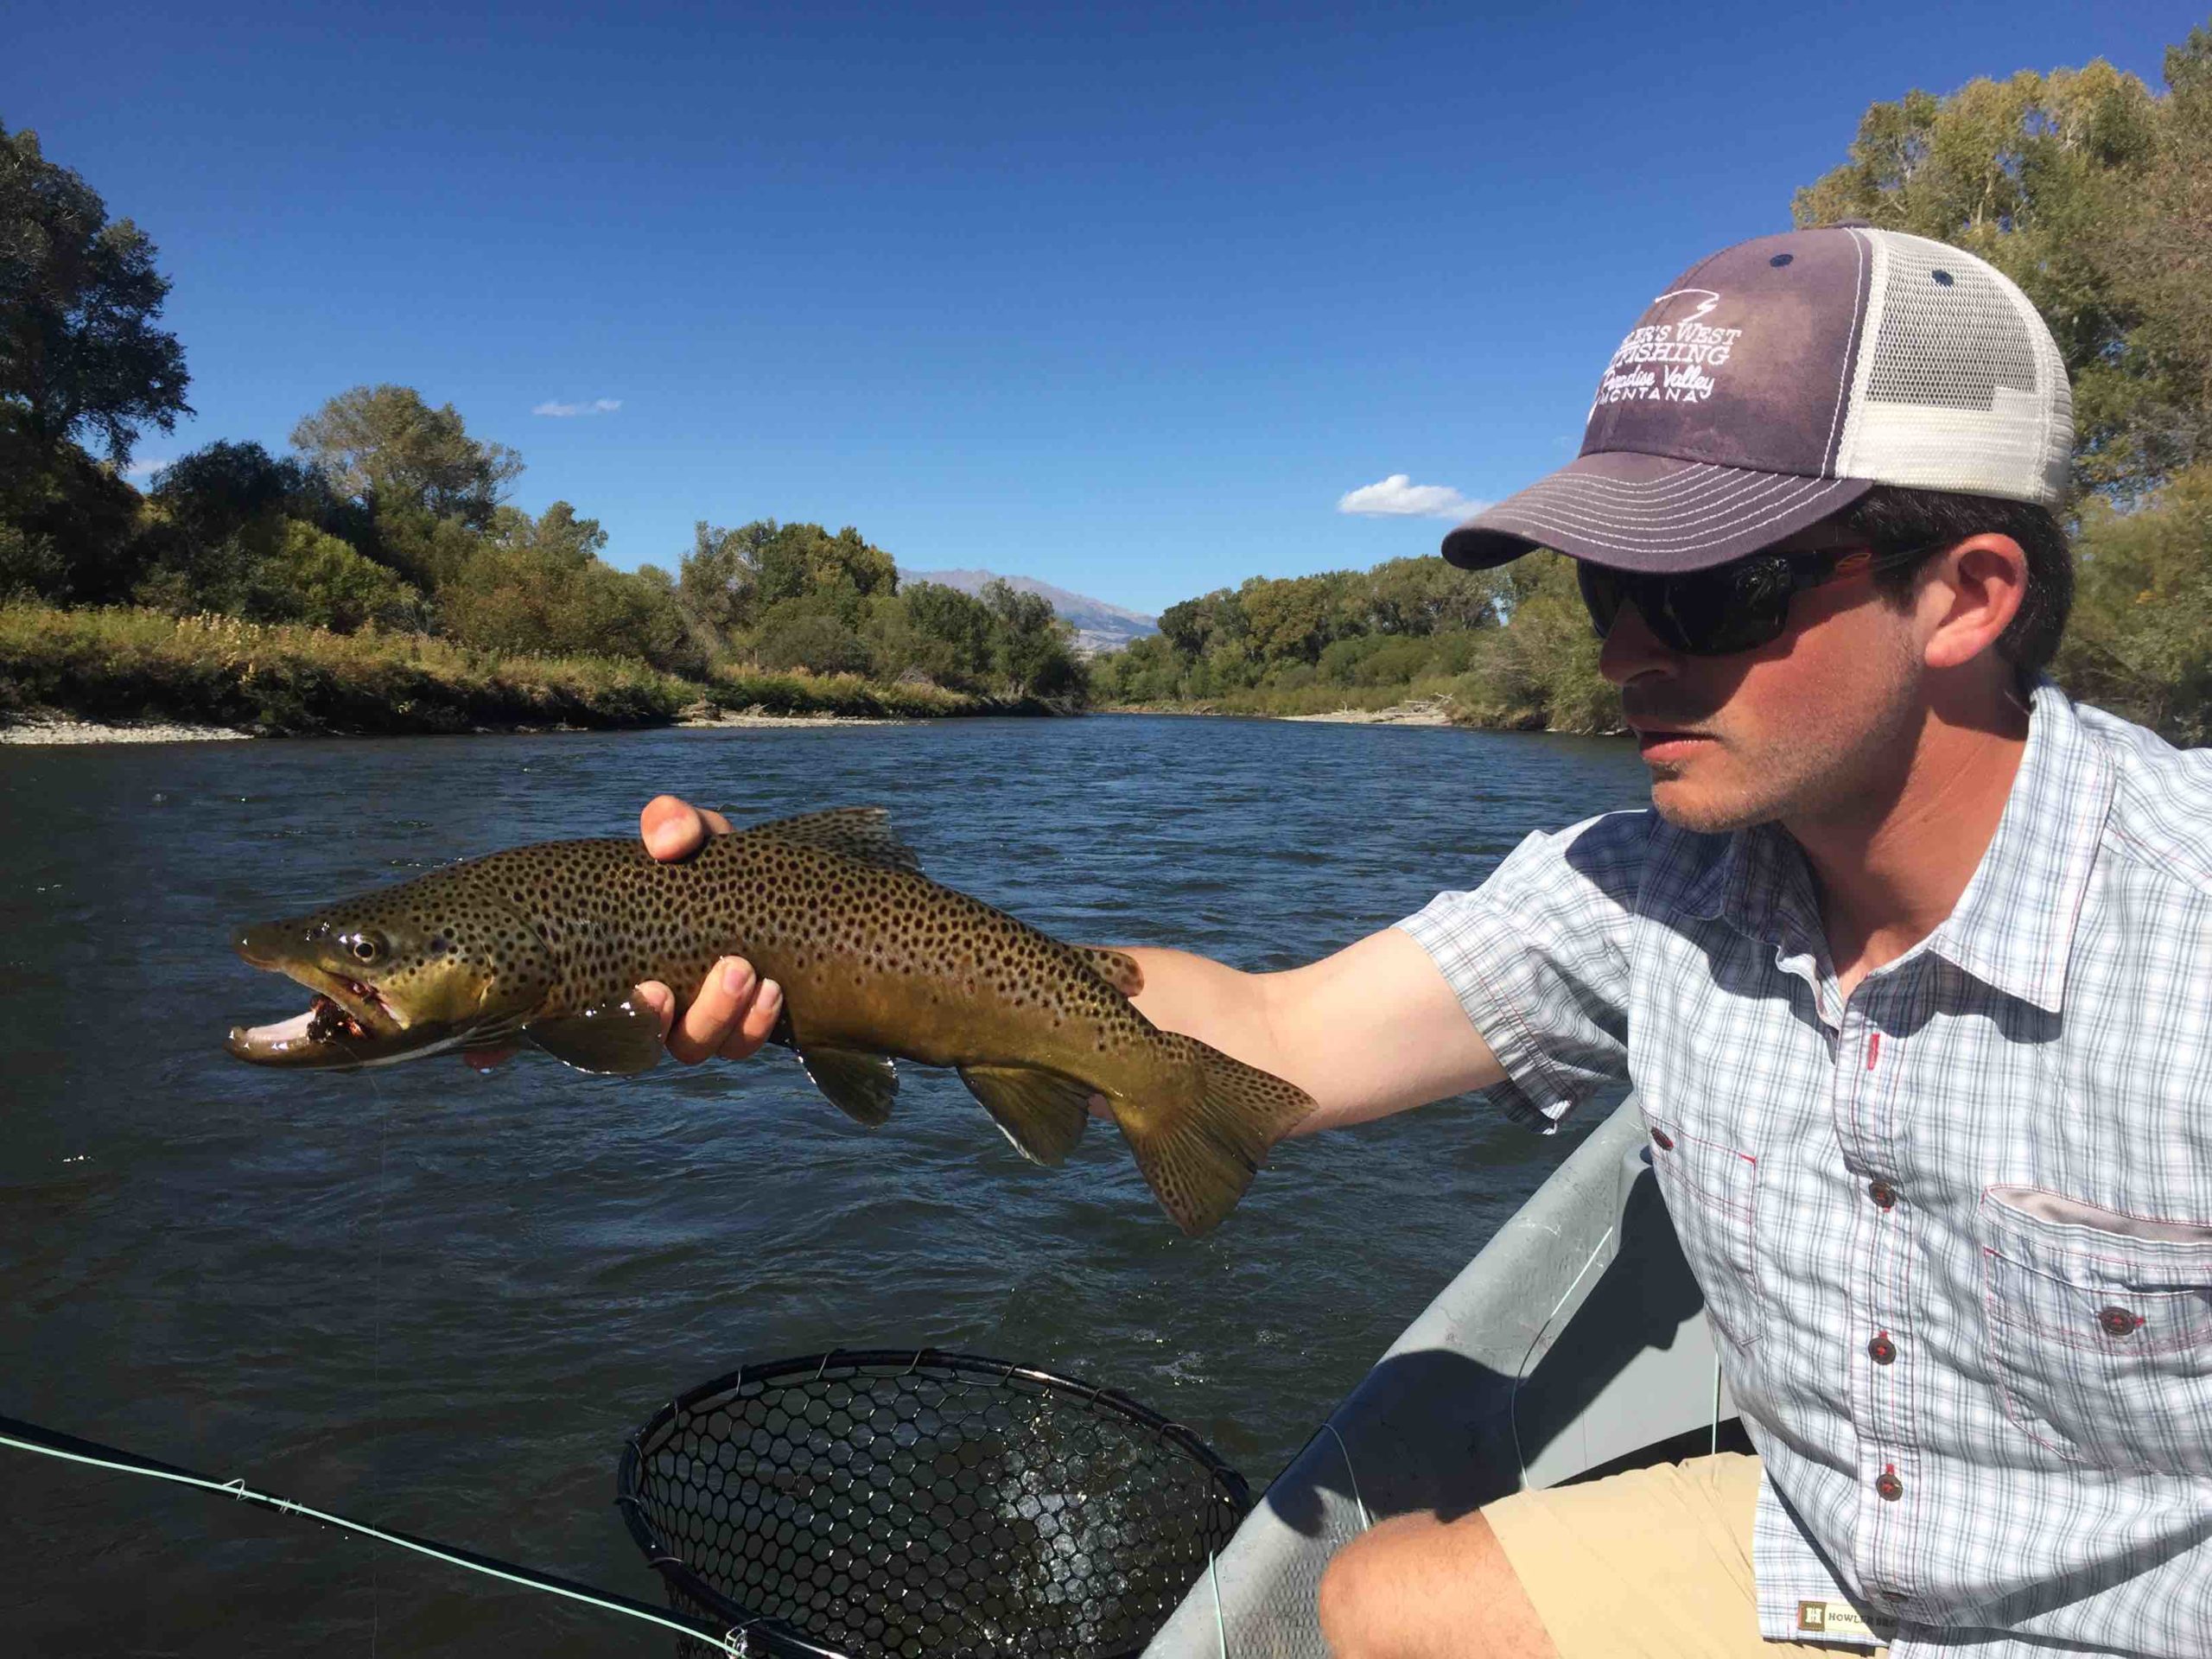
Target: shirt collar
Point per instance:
(2013, 926)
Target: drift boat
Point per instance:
(1575, 1344)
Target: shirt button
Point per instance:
(1883, 1193)
(1662, 1140)
(2117, 1321)
(1888, 1487)
(1882, 1351)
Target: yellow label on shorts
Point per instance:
(1831, 1618)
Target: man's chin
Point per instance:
(1702, 811)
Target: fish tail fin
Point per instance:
(1199, 1151)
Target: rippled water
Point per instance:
(439, 1301)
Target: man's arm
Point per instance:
(1372, 1030)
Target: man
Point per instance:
(1911, 966)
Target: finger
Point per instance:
(662, 1000)
(715, 1013)
(674, 829)
(759, 1020)
(488, 1059)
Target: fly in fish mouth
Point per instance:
(328, 1018)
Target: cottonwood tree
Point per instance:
(80, 358)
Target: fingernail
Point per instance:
(770, 992)
(737, 978)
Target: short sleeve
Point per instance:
(1538, 957)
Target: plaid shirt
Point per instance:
(1955, 1233)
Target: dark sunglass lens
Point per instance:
(1601, 594)
(1735, 606)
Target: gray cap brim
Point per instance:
(1649, 512)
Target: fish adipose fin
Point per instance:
(1041, 1112)
(862, 834)
(1200, 1152)
(860, 1084)
(617, 1037)
(1116, 968)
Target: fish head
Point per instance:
(415, 970)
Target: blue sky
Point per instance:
(1125, 298)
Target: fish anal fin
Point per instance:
(1117, 968)
(616, 1037)
(862, 834)
(860, 1084)
(1041, 1112)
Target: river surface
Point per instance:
(439, 1301)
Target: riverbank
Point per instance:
(1414, 711)
(78, 675)
(1427, 711)
(52, 726)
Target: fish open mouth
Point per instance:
(348, 1023)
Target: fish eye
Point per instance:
(366, 947)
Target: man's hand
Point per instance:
(735, 1009)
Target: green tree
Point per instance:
(2033, 173)
(385, 448)
(719, 579)
(945, 635)
(1035, 648)
(79, 355)
(809, 632)
(68, 526)
(2140, 642)
(311, 576)
(557, 535)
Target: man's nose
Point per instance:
(1632, 649)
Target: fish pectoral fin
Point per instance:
(1041, 1112)
(1117, 968)
(615, 1037)
(860, 1084)
(862, 834)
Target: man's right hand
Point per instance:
(735, 1009)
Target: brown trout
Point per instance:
(875, 960)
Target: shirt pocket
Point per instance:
(2100, 1330)
(1713, 1193)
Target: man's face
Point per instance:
(1807, 725)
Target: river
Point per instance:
(439, 1301)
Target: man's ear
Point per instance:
(1970, 597)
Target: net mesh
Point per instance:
(883, 1505)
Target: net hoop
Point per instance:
(672, 1436)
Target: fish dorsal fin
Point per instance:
(615, 1037)
(860, 1084)
(862, 834)
(1041, 1112)
(1117, 968)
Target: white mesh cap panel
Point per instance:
(1959, 384)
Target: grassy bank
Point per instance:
(119, 663)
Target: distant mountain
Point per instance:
(1099, 625)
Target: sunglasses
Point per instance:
(1735, 606)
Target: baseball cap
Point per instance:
(1777, 381)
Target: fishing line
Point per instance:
(29, 1437)
(376, 1349)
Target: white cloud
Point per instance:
(563, 411)
(1399, 497)
(144, 468)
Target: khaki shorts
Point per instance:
(1657, 1561)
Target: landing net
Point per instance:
(889, 1505)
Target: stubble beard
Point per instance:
(1809, 773)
